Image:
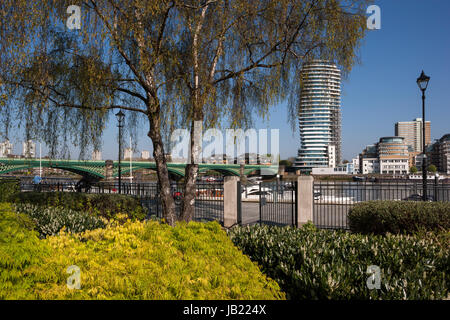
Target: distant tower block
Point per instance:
(128, 153)
(412, 132)
(5, 149)
(319, 116)
(29, 149)
(96, 155)
(145, 155)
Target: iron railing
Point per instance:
(273, 203)
(333, 200)
(208, 196)
(277, 203)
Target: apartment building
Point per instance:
(29, 149)
(96, 155)
(128, 154)
(355, 163)
(5, 149)
(389, 156)
(412, 132)
(438, 154)
(319, 116)
(368, 160)
(145, 155)
(393, 155)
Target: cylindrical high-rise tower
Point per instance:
(319, 116)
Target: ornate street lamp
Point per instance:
(120, 118)
(422, 82)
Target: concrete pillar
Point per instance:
(230, 203)
(243, 177)
(305, 198)
(109, 166)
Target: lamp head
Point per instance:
(120, 116)
(422, 81)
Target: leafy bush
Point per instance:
(8, 188)
(20, 250)
(380, 217)
(320, 264)
(103, 205)
(136, 260)
(49, 221)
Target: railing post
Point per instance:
(239, 204)
(436, 185)
(304, 199)
(230, 203)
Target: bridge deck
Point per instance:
(98, 169)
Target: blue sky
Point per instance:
(378, 92)
(382, 89)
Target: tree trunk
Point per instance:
(191, 173)
(167, 201)
(190, 176)
(190, 187)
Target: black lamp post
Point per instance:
(422, 82)
(120, 117)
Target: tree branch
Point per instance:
(113, 32)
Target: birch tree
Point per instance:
(241, 57)
(165, 63)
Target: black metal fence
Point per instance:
(208, 196)
(277, 203)
(273, 203)
(333, 200)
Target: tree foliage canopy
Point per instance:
(174, 61)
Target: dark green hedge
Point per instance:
(104, 205)
(309, 263)
(381, 217)
(49, 220)
(8, 187)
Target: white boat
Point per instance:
(253, 192)
(334, 200)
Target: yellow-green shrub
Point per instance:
(20, 251)
(138, 260)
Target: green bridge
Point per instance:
(109, 169)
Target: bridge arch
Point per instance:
(88, 172)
